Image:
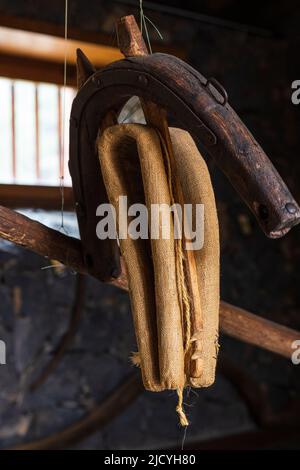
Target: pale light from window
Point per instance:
(31, 127)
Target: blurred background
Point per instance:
(253, 50)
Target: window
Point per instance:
(31, 128)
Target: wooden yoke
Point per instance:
(198, 105)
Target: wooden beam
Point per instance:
(37, 67)
(234, 321)
(51, 48)
(35, 197)
(24, 68)
(243, 325)
(44, 241)
(79, 34)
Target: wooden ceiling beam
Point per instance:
(50, 48)
(78, 34)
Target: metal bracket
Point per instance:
(219, 88)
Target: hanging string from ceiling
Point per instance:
(63, 138)
(143, 26)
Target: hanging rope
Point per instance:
(143, 26)
(62, 155)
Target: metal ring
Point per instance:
(219, 88)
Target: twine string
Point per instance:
(181, 280)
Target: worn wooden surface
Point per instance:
(258, 331)
(130, 39)
(43, 240)
(234, 321)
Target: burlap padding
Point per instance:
(197, 188)
(132, 164)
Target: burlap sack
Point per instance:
(133, 164)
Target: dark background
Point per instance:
(253, 51)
